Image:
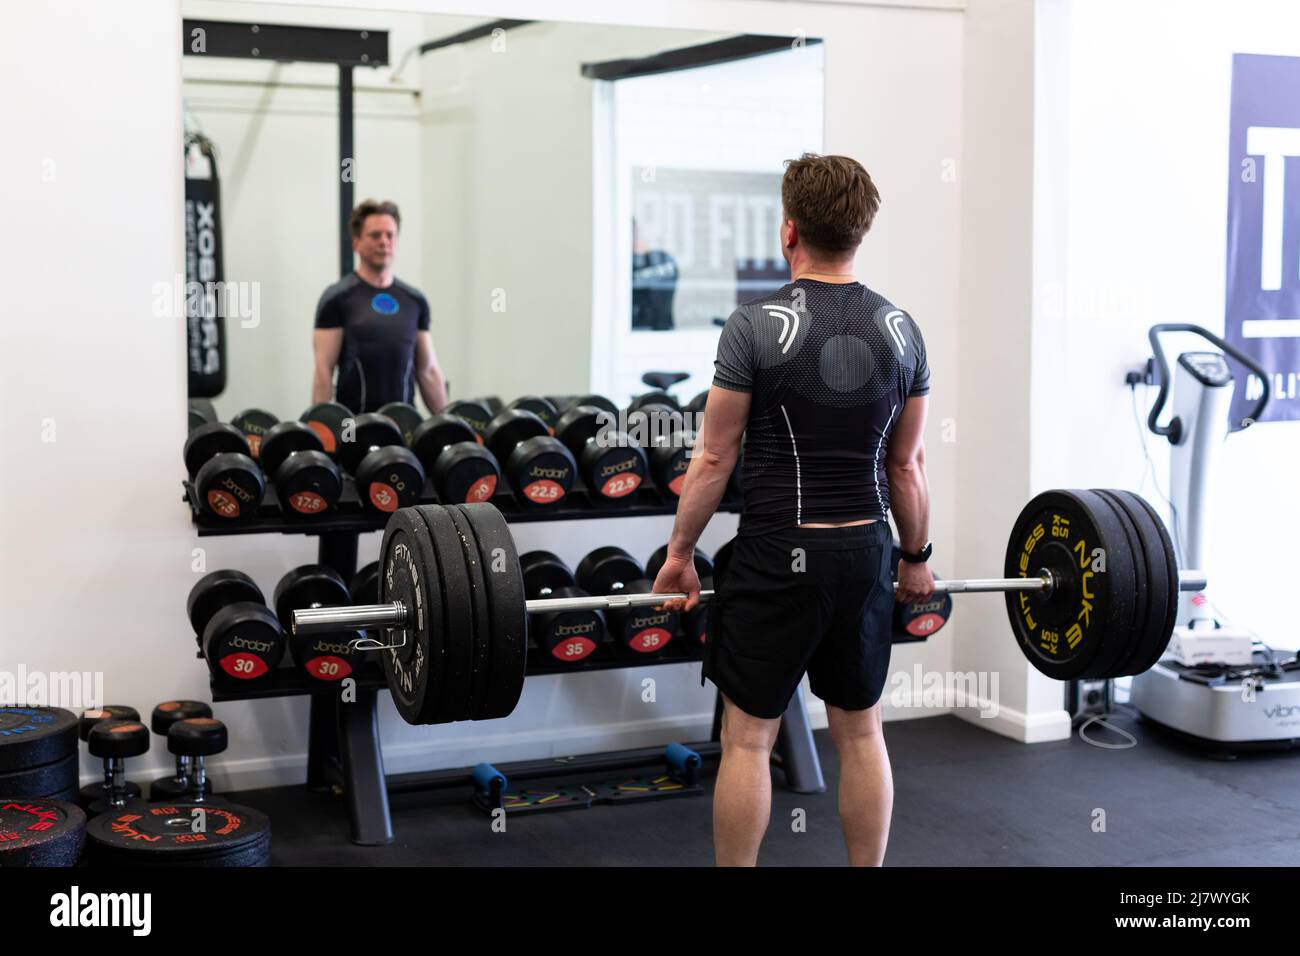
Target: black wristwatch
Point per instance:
(920, 557)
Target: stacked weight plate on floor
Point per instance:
(462, 653)
(1109, 613)
(38, 752)
(183, 833)
(39, 831)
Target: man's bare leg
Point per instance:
(742, 796)
(866, 782)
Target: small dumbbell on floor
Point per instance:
(238, 635)
(462, 469)
(194, 739)
(93, 792)
(166, 714)
(227, 482)
(567, 636)
(113, 741)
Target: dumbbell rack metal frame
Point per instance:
(343, 747)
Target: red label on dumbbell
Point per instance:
(254, 444)
(544, 492)
(573, 649)
(925, 624)
(621, 485)
(676, 484)
(243, 666)
(324, 433)
(382, 496)
(704, 637)
(481, 490)
(223, 505)
(307, 502)
(650, 639)
(328, 668)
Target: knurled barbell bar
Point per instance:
(1091, 589)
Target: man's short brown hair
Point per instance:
(831, 199)
(372, 207)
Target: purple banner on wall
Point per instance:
(1263, 292)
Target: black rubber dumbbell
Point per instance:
(307, 481)
(113, 741)
(567, 636)
(461, 468)
(405, 416)
(612, 570)
(324, 657)
(695, 622)
(238, 635)
(89, 718)
(653, 398)
(326, 419)
(538, 466)
(388, 474)
(475, 414)
(178, 785)
(254, 423)
(612, 465)
(543, 408)
(227, 482)
(566, 402)
(195, 739)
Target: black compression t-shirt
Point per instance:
(377, 362)
(830, 366)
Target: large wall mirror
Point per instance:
(579, 204)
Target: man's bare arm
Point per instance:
(909, 495)
(428, 374)
(717, 449)
(326, 345)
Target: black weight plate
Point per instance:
(1120, 647)
(436, 433)
(476, 414)
(703, 563)
(95, 792)
(42, 780)
(230, 486)
(308, 484)
(543, 573)
(167, 789)
(390, 478)
(608, 570)
(142, 833)
(170, 711)
(614, 472)
(216, 590)
(541, 470)
(507, 606)
(466, 473)
(510, 428)
(40, 832)
(482, 631)
(457, 615)
(414, 667)
(543, 408)
(1163, 562)
(405, 416)
(364, 434)
(1061, 633)
(215, 438)
(118, 738)
(283, 440)
(89, 718)
(311, 585)
(254, 423)
(243, 641)
(326, 420)
(34, 736)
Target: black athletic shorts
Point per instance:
(818, 600)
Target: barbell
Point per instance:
(1091, 589)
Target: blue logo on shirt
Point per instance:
(384, 304)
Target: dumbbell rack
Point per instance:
(343, 748)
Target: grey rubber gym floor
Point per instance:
(963, 796)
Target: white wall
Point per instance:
(1140, 189)
(101, 552)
